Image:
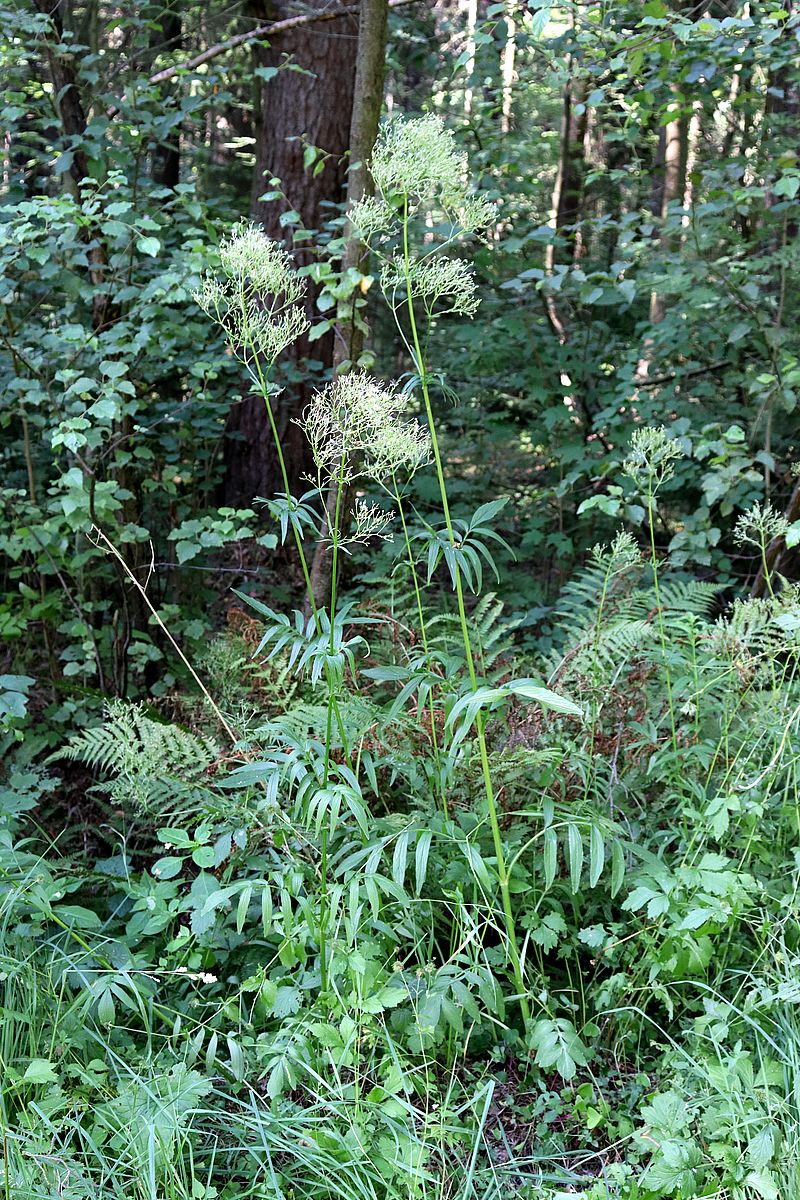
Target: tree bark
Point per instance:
(67, 98)
(367, 104)
(165, 165)
(307, 103)
(565, 209)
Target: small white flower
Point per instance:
(619, 556)
(255, 297)
(760, 525)
(357, 417)
(418, 158)
(446, 285)
(371, 216)
(651, 457)
(369, 522)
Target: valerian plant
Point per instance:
(361, 429)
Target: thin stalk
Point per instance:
(765, 565)
(323, 901)
(264, 389)
(494, 822)
(424, 635)
(661, 630)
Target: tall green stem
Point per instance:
(301, 554)
(651, 504)
(424, 635)
(502, 874)
(323, 901)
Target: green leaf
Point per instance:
(617, 868)
(529, 690)
(575, 856)
(787, 185)
(167, 867)
(242, 907)
(550, 855)
(75, 914)
(597, 855)
(40, 1070)
(149, 246)
(318, 330)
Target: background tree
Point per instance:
(305, 82)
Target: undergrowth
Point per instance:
(395, 908)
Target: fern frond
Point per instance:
(151, 763)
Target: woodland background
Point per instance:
(640, 270)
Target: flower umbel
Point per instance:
(760, 525)
(370, 521)
(652, 455)
(255, 297)
(358, 418)
(418, 158)
(620, 556)
(418, 161)
(445, 285)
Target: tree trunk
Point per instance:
(367, 104)
(507, 69)
(672, 189)
(471, 10)
(306, 103)
(565, 210)
(165, 166)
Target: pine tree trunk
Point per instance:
(307, 103)
(165, 167)
(367, 104)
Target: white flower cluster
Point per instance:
(256, 296)
(417, 161)
(760, 525)
(620, 556)
(358, 424)
(418, 158)
(369, 521)
(433, 279)
(651, 457)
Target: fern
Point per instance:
(152, 764)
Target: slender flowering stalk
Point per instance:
(424, 635)
(356, 427)
(650, 464)
(759, 526)
(417, 165)
(255, 298)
